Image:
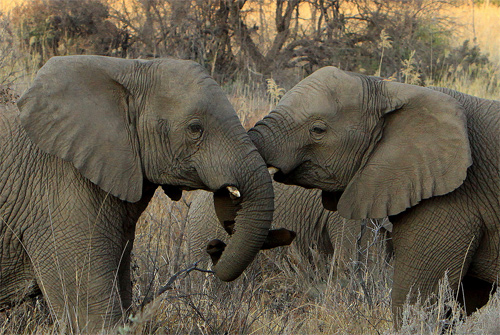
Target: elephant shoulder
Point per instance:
(10, 124)
(16, 149)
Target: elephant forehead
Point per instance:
(307, 101)
(190, 99)
(315, 105)
(176, 78)
(325, 92)
(188, 90)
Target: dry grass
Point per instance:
(278, 294)
(485, 86)
(281, 293)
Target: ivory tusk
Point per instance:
(234, 191)
(272, 170)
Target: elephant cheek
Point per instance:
(330, 200)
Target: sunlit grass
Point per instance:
(486, 86)
(480, 24)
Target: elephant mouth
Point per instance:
(173, 192)
(330, 200)
(298, 176)
(280, 177)
(307, 175)
(226, 206)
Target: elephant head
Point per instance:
(127, 125)
(374, 147)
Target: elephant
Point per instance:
(83, 152)
(428, 158)
(299, 210)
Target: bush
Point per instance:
(61, 27)
(253, 40)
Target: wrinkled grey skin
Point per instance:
(427, 158)
(81, 158)
(297, 209)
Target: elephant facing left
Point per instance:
(82, 155)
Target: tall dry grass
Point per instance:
(281, 292)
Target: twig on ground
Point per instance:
(168, 285)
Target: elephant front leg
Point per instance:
(17, 280)
(430, 242)
(83, 281)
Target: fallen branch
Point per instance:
(185, 272)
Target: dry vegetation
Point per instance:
(281, 293)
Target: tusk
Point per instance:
(272, 170)
(234, 191)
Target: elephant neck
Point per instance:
(483, 129)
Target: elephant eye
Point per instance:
(317, 130)
(195, 130)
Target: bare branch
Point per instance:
(185, 272)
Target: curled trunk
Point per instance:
(254, 213)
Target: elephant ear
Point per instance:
(78, 110)
(423, 152)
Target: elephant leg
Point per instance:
(86, 283)
(474, 293)
(430, 240)
(17, 280)
(124, 277)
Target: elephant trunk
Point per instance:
(252, 221)
(268, 143)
